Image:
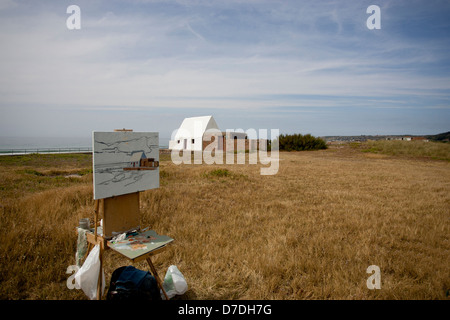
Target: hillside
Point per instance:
(442, 137)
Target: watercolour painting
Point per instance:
(124, 162)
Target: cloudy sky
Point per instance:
(297, 66)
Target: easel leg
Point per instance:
(96, 208)
(155, 274)
(100, 276)
(99, 281)
(89, 248)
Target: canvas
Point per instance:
(124, 162)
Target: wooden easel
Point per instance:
(120, 214)
(113, 217)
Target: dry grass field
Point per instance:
(308, 232)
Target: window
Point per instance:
(193, 140)
(178, 141)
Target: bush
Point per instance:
(298, 142)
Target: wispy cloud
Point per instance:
(222, 56)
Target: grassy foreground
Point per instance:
(308, 232)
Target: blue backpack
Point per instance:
(129, 283)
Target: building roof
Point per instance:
(136, 156)
(195, 127)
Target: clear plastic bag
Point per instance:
(87, 277)
(82, 246)
(174, 282)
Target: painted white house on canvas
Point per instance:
(116, 158)
(189, 135)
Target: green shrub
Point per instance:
(299, 142)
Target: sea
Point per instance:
(16, 145)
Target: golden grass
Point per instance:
(422, 149)
(308, 232)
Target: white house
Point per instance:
(190, 134)
(196, 133)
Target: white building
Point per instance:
(196, 133)
(190, 134)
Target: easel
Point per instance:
(110, 219)
(121, 214)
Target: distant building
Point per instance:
(407, 138)
(420, 139)
(196, 133)
(394, 138)
(190, 134)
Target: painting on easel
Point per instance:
(125, 162)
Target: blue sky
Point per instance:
(297, 66)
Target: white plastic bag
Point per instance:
(87, 277)
(174, 282)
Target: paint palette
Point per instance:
(139, 243)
